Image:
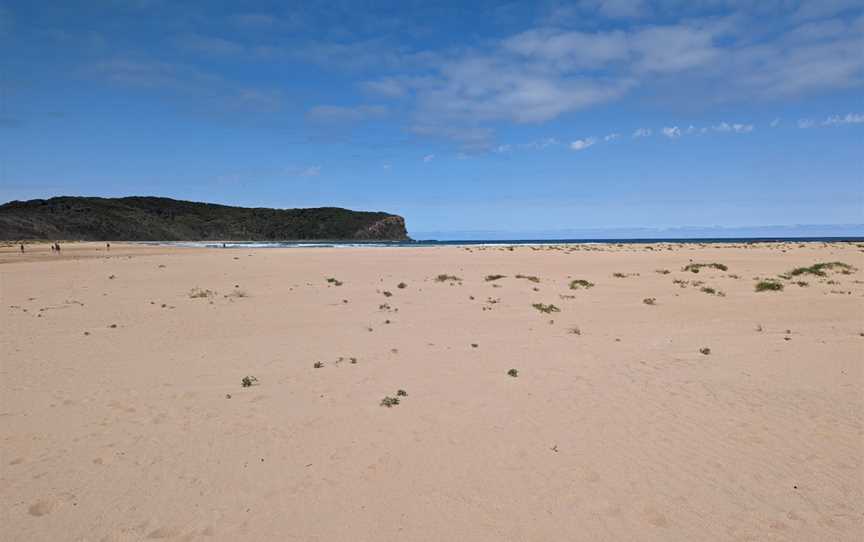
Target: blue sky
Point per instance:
(466, 116)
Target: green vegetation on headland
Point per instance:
(164, 219)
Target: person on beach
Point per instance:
(57, 247)
(22, 248)
(108, 246)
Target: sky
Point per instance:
(506, 118)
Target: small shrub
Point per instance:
(802, 283)
(580, 283)
(513, 372)
(619, 275)
(318, 364)
(695, 267)
(547, 309)
(819, 269)
(575, 330)
(401, 285)
(490, 278)
(402, 393)
(248, 381)
(198, 293)
(708, 290)
(705, 351)
(769, 285)
(662, 271)
(650, 301)
(334, 282)
(386, 293)
(389, 402)
(528, 277)
(444, 278)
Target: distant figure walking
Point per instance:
(107, 246)
(57, 247)
(22, 248)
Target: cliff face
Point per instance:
(164, 219)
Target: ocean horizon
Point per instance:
(500, 242)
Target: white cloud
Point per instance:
(642, 132)
(335, 113)
(582, 144)
(850, 118)
(614, 9)
(302, 171)
(775, 123)
(209, 45)
(672, 132)
(386, 166)
(387, 86)
(611, 137)
(428, 158)
(736, 128)
(806, 123)
(542, 143)
(500, 149)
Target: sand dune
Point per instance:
(123, 417)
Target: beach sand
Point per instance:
(122, 415)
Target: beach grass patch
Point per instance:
(580, 283)
(770, 285)
(546, 309)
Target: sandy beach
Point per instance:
(648, 403)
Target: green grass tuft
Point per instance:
(769, 285)
(580, 283)
(546, 308)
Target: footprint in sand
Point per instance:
(655, 518)
(164, 532)
(42, 507)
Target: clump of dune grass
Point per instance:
(802, 283)
(513, 372)
(532, 278)
(705, 351)
(580, 283)
(695, 267)
(712, 291)
(574, 330)
(820, 269)
(401, 285)
(334, 281)
(318, 364)
(769, 285)
(238, 293)
(387, 293)
(389, 402)
(490, 278)
(662, 271)
(401, 393)
(443, 277)
(650, 301)
(547, 309)
(199, 293)
(248, 381)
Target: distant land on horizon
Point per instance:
(142, 218)
(685, 232)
